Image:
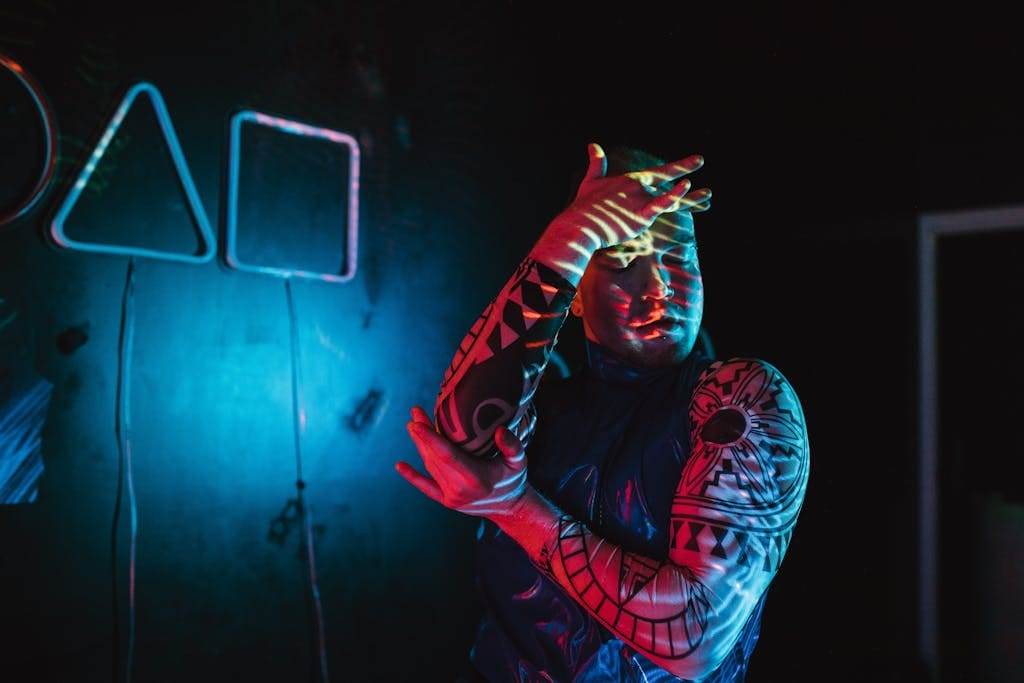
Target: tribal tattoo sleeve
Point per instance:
(732, 518)
(498, 365)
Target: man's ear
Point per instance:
(576, 307)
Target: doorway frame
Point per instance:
(930, 227)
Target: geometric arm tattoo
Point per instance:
(731, 522)
(499, 363)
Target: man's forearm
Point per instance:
(499, 363)
(532, 523)
(566, 254)
(736, 503)
(659, 608)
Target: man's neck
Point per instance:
(607, 365)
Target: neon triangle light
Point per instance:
(195, 205)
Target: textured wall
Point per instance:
(221, 583)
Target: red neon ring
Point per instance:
(50, 134)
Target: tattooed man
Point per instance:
(663, 486)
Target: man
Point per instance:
(663, 487)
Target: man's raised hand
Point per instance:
(608, 211)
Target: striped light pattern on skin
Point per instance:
(195, 205)
(625, 304)
(611, 210)
(352, 190)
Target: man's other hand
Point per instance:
(455, 479)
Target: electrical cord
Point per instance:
(298, 421)
(125, 480)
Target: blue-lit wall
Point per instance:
(221, 582)
(214, 466)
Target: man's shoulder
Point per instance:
(752, 385)
(742, 375)
(750, 440)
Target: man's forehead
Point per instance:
(664, 234)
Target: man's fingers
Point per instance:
(419, 415)
(507, 442)
(681, 188)
(703, 206)
(424, 483)
(679, 168)
(424, 436)
(699, 198)
(659, 174)
(677, 199)
(598, 164)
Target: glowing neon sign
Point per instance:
(46, 115)
(195, 205)
(294, 128)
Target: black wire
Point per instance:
(122, 424)
(307, 514)
(122, 431)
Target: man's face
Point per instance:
(644, 298)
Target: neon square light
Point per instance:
(294, 128)
(195, 205)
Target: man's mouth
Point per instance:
(661, 322)
(667, 327)
(658, 318)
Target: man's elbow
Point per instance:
(704, 659)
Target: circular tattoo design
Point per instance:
(761, 465)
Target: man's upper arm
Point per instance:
(741, 490)
(732, 517)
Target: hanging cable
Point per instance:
(122, 430)
(298, 421)
(125, 480)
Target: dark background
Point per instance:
(827, 132)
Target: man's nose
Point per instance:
(658, 282)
